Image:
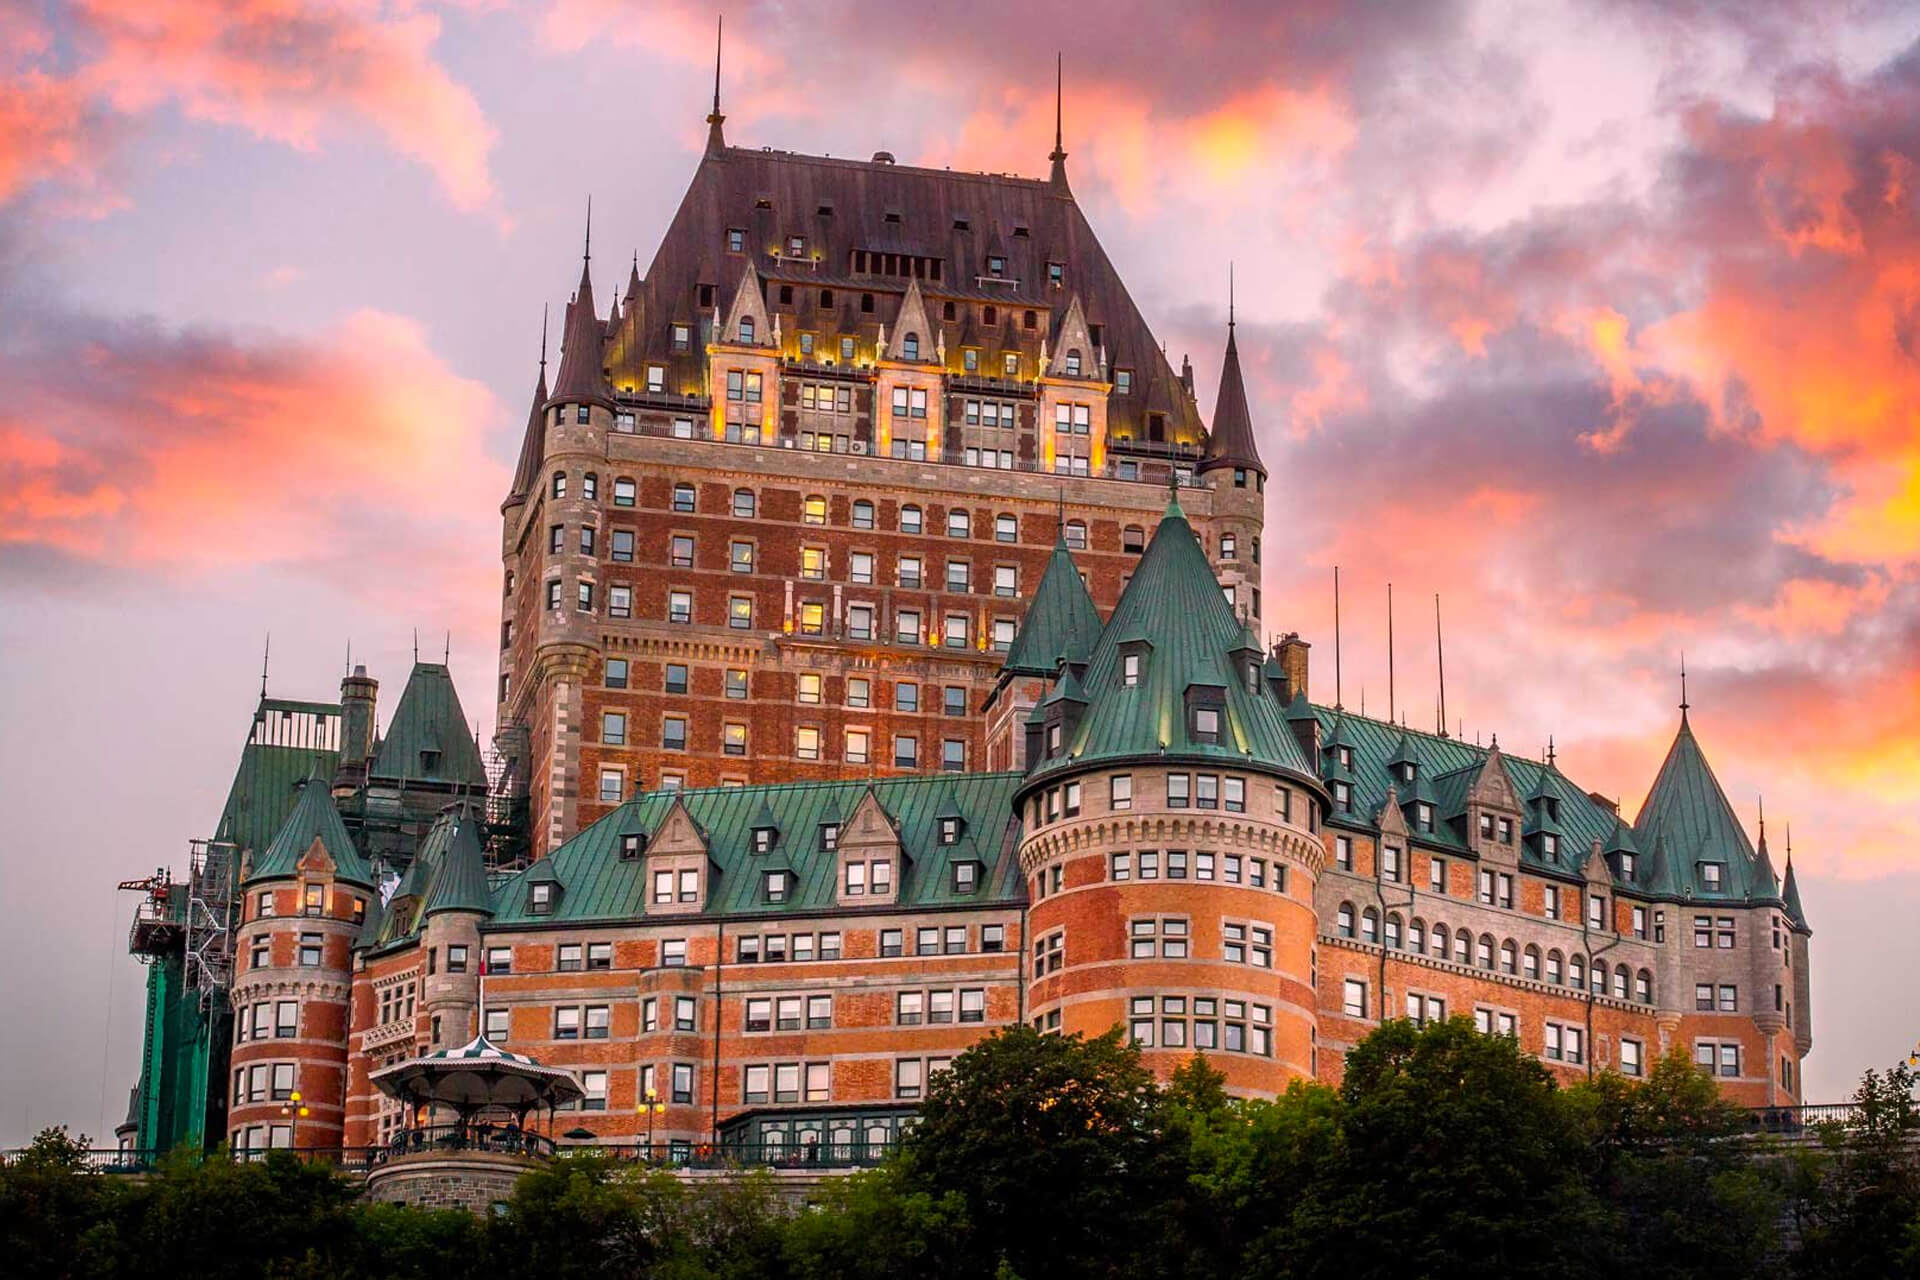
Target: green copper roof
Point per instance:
(1790, 895)
(1687, 818)
(268, 781)
(313, 818)
(1175, 617)
(428, 739)
(1061, 622)
(596, 885)
(459, 866)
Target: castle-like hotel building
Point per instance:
(881, 664)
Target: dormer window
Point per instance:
(1625, 865)
(736, 240)
(1130, 670)
(796, 246)
(1710, 876)
(1073, 363)
(540, 899)
(1345, 756)
(1343, 797)
(632, 845)
(1056, 274)
(429, 761)
(996, 266)
(1407, 771)
(746, 330)
(778, 884)
(966, 877)
(1550, 844)
(1423, 816)
(1206, 724)
(1053, 740)
(910, 347)
(764, 839)
(950, 829)
(829, 836)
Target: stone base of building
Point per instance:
(472, 1180)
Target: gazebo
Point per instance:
(473, 1161)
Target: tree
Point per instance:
(1049, 1141)
(1857, 1202)
(1456, 1158)
(1685, 1195)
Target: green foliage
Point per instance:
(1442, 1152)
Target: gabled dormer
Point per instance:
(748, 323)
(869, 856)
(1304, 722)
(1206, 714)
(1413, 784)
(543, 888)
(764, 836)
(679, 862)
(1545, 828)
(1623, 854)
(913, 340)
(1074, 353)
(1493, 810)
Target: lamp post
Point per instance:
(295, 1111)
(653, 1107)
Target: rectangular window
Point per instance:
(1179, 790)
(1354, 998)
(310, 949)
(683, 1083)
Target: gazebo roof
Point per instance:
(478, 1074)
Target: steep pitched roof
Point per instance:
(1687, 816)
(313, 818)
(1173, 605)
(1061, 622)
(266, 784)
(601, 887)
(428, 740)
(840, 207)
(583, 352)
(1790, 898)
(533, 445)
(1230, 442)
(459, 868)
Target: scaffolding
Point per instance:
(212, 886)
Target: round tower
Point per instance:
(303, 901)
(1169, 843)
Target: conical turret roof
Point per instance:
(1230, 441)
(582, 377)
(313, 818)
(1174, 615)
(1061, 622)
(1688, 818)
(533, 444)
(459, 874)
(427, 738)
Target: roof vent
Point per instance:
(883, 157)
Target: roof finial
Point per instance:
(1789, 844)
(1229, 295)
(586, 252)
(416, 646)
(543, 342)
(1550, 754)
(1762, 802)
(265, 653)
(1683, 684)
(447, 658)
(1059, 156)
(1060, 513)
(716, 140)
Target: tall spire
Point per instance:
(1683, 686)
(716, 138)
(533, 444)
(543, 350)
(582, 377)
(1230, 443)
(1059, 156)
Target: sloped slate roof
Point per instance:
(1061, 621)
(1174, 604)
(313, 817)
(1687, 816)
(1231, 443)
(533, 445)
(267, 783)
(428, 718)
(839, 206)
(582, 375)
(598, 887)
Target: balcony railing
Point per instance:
(443, 1139)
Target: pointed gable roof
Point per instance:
(1688, 818)
(583, 353)
(1061, 622)
(1790, 898)
(912, 319)
(533, 444)
(427, 738)
(1174, 604)
(1230, 441)
(459, 880)
(1073, 335)
(314, 819)
(748, 302)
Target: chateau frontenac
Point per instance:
(881, 663)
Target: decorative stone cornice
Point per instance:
(1201, 832)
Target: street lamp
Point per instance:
(295, 1111)
(653, 1107)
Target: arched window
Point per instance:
(559, 484)
(959, 523)
(813, 510)
(744, 505)
(910, 347)
(1417, 935)
(590, 487)
(746, 330)
(1442, 939)
(1577, 970)
(1530, 964)
(1073, 362)
(1643, 987)
(1369, 925)
(862, 514)
(910, 521)
(1620, 980)
(1393, 930)
(1462, 947)
(1508, 957)
(1077, 535)
(1346, 919)
(1556, 971)
(625, 492)
(1483, 954)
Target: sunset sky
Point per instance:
(1602, 321)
